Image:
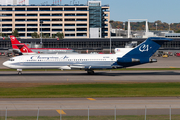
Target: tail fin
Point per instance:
(21, 46)
(148, 47)
(14, 42)
(145, 50)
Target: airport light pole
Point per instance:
(170, 26)
(41, 22)
(111, 21)
(156, 26)
(124, 25)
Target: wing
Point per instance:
(83, 66)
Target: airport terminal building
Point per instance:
(93, 44)
(75, 21)
(85, 26)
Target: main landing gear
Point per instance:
(90, 72)
(19, 71)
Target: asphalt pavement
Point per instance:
(96, 106)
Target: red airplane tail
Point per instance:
(14, 42)
(21, 46)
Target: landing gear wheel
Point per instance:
(19, 73)
(91, 72)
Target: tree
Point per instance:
(43, 35)
(15, 33)
(34, 35)
(6, 37)
(54, 35)
(47, 35)
(178, 31)
(60, 35)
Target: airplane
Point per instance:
(89, 62)
(22, 48)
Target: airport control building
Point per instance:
(89, 20)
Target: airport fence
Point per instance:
(113, 113)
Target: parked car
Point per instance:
(177, 54)
(165, 56)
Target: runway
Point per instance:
(83, 77)
(97, 106)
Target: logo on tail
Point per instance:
(144, 48)
(12, 38)
(25, 49)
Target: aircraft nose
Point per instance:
(5, 63)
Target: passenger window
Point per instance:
(11, 59)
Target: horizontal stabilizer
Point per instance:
(160, 40)
(19, 44)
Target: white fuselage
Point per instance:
(69, 61)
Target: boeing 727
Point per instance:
(139, 55)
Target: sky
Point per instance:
(121, 10)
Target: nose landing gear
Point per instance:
(19, 71)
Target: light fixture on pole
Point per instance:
(111, 21)
(169, 26)
(41, 22)
(156, 26)
(124, 25)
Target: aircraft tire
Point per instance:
(90, 72)
(19, 73)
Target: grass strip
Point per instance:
(123, 69)
(92, 90)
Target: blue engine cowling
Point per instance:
(127, 60)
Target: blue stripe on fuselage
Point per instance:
(65, 63)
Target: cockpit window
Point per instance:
(11, 59)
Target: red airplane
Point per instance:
(16, 45)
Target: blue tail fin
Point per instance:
(145, 50)
(148, 47)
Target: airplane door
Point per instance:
(21, 61)
(112, 59)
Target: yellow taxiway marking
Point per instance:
(90, 99)
(172, 67)
(61, 112)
